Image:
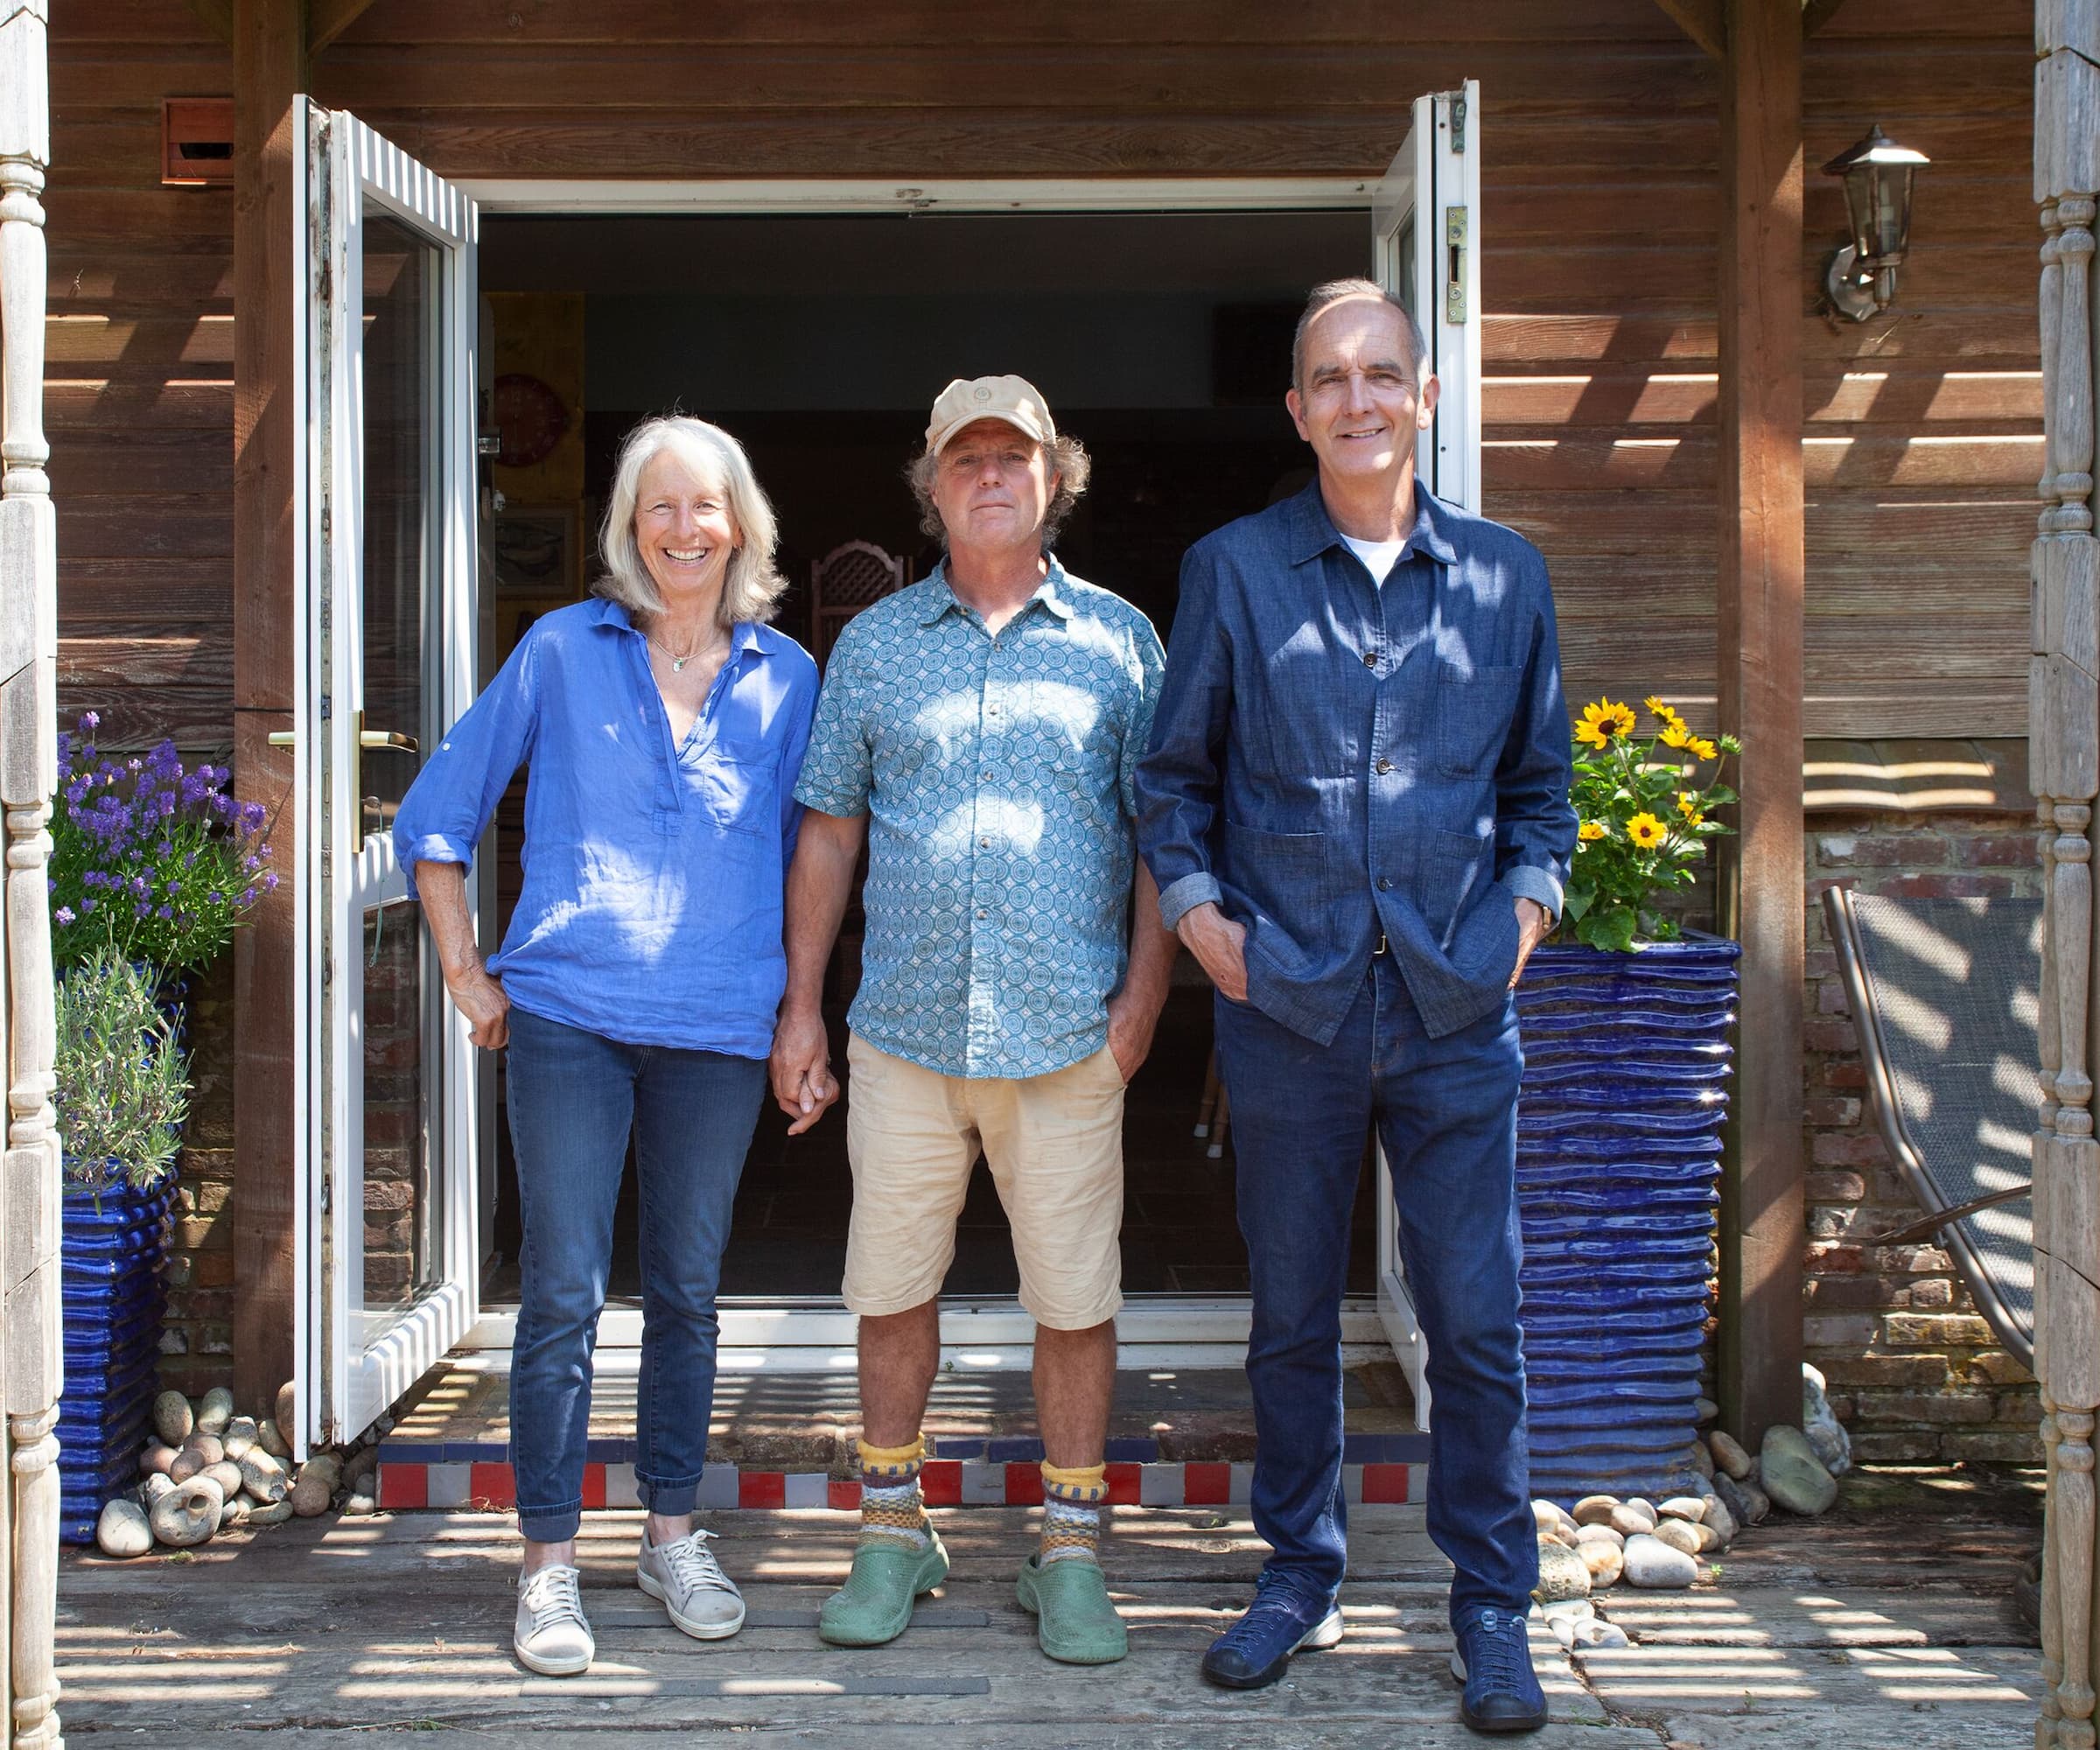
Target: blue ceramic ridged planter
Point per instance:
(111, 1254)
(1626, 1061)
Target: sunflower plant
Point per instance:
(1646, 811)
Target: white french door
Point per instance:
(388, 1242)
(1425, 218)
(1425, 215)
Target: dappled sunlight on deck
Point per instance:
(403, 1621)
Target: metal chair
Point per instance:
(847, 580)
(1945, 994)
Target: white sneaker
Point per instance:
(551, 1637)
(701, 1598)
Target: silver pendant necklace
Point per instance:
(677, 662)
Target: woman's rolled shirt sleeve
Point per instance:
(454, 797)
(801, 708)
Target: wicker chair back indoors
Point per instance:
(1946, 994)
(847, 580)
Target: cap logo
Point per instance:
(981, 393)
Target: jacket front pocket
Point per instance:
(1473, 714)
(1459, 868)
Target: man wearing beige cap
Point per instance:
(981, 732)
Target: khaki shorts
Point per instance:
(1054, 1144)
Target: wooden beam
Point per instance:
(328, 19)
(1760, 674)
(271, 65)
(217, 17)
(1704, 21)
(1815, 14)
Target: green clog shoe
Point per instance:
(1075, 1620)
(875, 1603)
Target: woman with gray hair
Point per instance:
(664, 724)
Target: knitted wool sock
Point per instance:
(891, 1505)
(1072, 1513)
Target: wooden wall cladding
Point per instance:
(1600, 205)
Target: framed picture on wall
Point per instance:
(535, 551)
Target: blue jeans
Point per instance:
(1445, 1110)
(574, 1095)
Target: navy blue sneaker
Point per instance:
(1493, 1659)
(1282, 1620)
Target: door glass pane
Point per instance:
(403, 1224)
(1406, 252)
(401, 287)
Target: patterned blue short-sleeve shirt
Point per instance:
(998, 775)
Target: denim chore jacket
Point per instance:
(1333, 761)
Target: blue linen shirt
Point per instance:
(1332, 761)
(998, 775)
(652, 908)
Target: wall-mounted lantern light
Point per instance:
(1861, 277)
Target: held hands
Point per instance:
(1532, 923)
(1220, 945)
(803, 1082)
(480, 996)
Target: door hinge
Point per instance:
(1458, 126)
(1455, 242)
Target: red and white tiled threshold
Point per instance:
(407, 1484)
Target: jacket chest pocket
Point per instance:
(1473, 712)
(735, 784)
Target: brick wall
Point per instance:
(394, 1165)
(197, 1338)
(1913, 1371)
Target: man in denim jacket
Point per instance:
(1355, 806)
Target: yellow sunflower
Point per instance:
(1701, 748)
(1603, 722)
(1676, 735)
(1593, 830)
(1688, 805)
(1645, 831)
(1660, 710)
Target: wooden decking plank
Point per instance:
(805, 1544)
(1832, 1636)
(597, 1733)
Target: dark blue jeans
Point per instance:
(1445, 1110)
(574, 1096)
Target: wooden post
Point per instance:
(270, 70)
(30, 1189)
(1760, 670)
(2064, 771)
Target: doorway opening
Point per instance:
(1160, 339)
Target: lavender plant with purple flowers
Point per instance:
(149, 858)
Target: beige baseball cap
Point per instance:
(965, 401)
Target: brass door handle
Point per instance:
(284, 738)
(391, 739)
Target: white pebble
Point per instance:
(1651, 1562)
(123, 1531)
